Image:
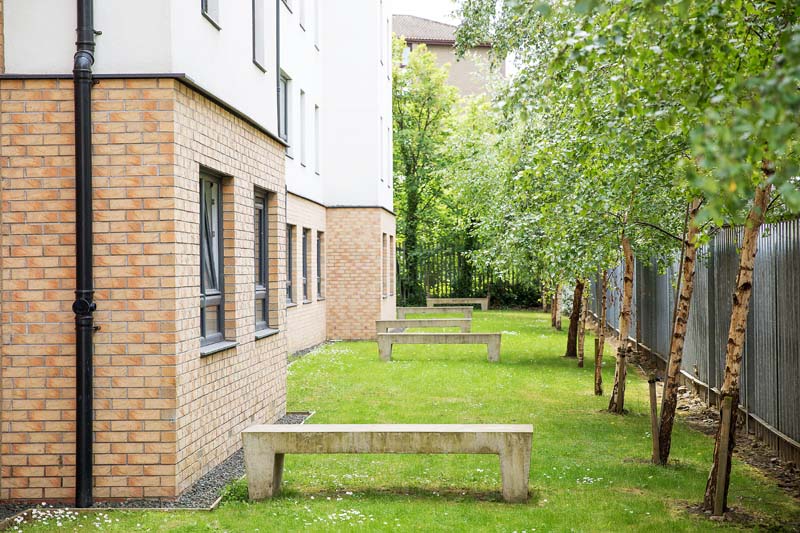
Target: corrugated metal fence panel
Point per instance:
(787, 267)
(760, 376)
(726, 262)
(695, 350)
(771, 369)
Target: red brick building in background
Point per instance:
(202, 247)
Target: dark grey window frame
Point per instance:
(208, 15)
(289, 263)
(319, 265)
(214, 299)
(261, 213)
(305, 243)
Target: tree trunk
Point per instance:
(736, 333)
(617, 402)
(574, 320)
(553, 309)
(558, 307)
(582, 327)
(415, 284)
(601, 336)
(669, 401)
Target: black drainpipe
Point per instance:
(84, 305)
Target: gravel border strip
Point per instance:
(204, 495)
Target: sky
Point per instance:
(431, 9)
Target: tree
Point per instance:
(422, 106)
(702, 91)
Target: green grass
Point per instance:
(589, 469)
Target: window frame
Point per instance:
(305, 262)
(217, 300)
(258, 30)
(261, 270)
(303, 129)
(320, 243)
(211, 15)
(290, 229)
(283, 106)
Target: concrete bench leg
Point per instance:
(264, 470)
(401, 314)
(465, 328)
(493, 347)
(515, 468)
(385, 348)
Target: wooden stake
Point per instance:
(654, 417)
(722, 471)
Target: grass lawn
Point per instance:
(589, 469)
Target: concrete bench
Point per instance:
(402, 312)
(491, 340)
(265, 446)
(384, 326)
(483, 302)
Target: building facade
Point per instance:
(218, 248)
(470, 74)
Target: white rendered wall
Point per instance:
(153, 37)
(357, 93)
(301, 61)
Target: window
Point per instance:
(392, 265)
(289, 263)
(316, 23)
(306, 257)
(303, 128)
(316, 140)
(385, 265)
(258, 34)
(211, 280)
(302, 13)
(382, 167)
(260, 229)
(283, 107)
(320, 270)
(380, 33)
(210, 10)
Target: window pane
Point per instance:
(212, 320)
(210, 237)
(259, 242)
(261, 315)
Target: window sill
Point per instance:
(306, 302)
(264, 333)
(290, 305)
(260, 67)
(288, 155)
(320, 298)
(288, 6)
(217, 347)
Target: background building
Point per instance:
(200, 166)
(469, 74)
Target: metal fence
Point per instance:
(449, 273)
(770, 391)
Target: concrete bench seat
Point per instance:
(265, 446)
(383, 326)
(402, 312)
(491, 340)
(483, 302)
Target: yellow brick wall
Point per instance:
(306, 324)
(356, 269)
(220, 395)
(163, 415)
